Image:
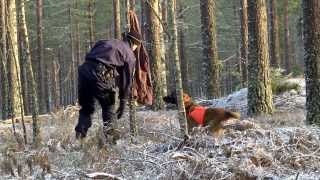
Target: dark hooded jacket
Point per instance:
(116, 54)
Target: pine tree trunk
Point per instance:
(174, 48)
(41, 61)
(274, 35)
(24, 52)
(142, 18)
(91, 22)
(25, 87)
(73, 61)
(77, 36)
(3, 69)
(163, 51)
(132, 5)
(48, 79)
(154, 51)
(56, 85)
(4, 90)
(287, 46)
(23, 70)
(61, 77)
(13, 61)
(116, 19)
(237, 62)
(170, 81)
(132, 105)
(259, 83)
(211, 64)
(311, 19)
(244, 41)
(169, 56)
(32, 91)
(182, 46)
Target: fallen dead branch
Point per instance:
(101, 175)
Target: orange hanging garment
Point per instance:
(142, 87)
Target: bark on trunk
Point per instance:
(3, 69)
(41, 61)
(154, 51)
(182, 46)
(244, 41)
(32, 91)
(274, 35)
(259, 84)
(73, 61)
(116, 19)
(91, 22)
(311, 19)
(174, 47)
(211, 64)
(163, 50)
(13, 60)
(287, 46)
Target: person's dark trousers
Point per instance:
(92, 86)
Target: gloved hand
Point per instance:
(121, 108)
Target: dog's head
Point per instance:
(172, 98)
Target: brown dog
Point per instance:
(197, 115)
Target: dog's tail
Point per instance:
(230, 114)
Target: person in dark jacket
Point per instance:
(108, 65)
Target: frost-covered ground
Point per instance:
(283, 148)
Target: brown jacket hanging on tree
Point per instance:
(142, 87)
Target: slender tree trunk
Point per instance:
(49, 82)
(77, 36)
(3, 63)
(182, 46)
(211, 65)
(22, 57)
(154, 51)
(163, 51)
(287, 46)
(73, 61)
(1, 86)
(132, 5)
(32, 91)
(244, 41)
(132, 106)
(311, 19)
(61, 77)
(237, 62)
(91, 22)
(174, 47)
(13, 60)
(274, 35)
(56, 85)
(170, 78)
(41, 61)
(259, 83)
(142, 17)
(116, 19)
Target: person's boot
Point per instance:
(111, 135)
(80, 135)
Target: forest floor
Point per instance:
(280, 147)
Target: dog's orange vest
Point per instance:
(198, 114)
